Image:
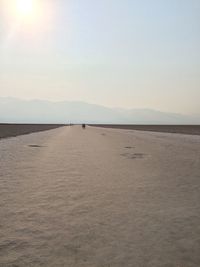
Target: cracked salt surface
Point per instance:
(79, 202)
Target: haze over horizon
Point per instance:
(14, 110)
(129, 54)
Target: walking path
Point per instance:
(100, 198)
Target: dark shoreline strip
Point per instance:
(180, 129)
(12, 130)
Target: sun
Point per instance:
(25, 8)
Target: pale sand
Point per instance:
(100, 198)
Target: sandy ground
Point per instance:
(10, 130)
(182, 129)
(100, 198)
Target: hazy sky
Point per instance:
(120, 53)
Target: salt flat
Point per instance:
(100, 198)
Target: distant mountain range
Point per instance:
(15, 110)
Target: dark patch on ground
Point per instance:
(35, 146)
(129, 147)
(133, 155)
(12, 130)
(181, 129)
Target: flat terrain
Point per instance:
(100, 198)
(9, 130)
(181, 129)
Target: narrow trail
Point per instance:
(101, 198)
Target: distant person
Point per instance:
(83, 126)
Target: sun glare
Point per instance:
(25, 7)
